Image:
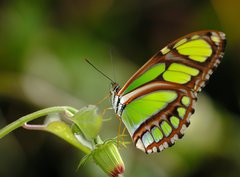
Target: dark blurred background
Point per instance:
(42, 49)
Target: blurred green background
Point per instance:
(42, 49)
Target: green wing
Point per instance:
(160, 96)
(145, 107)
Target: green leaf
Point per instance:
(88, 121)
(84, 160)
(62, 130)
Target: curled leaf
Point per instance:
(62, 130)
(88, 121)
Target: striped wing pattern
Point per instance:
(157, 101)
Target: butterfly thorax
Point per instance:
(117, 106)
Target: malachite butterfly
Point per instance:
(157, 101)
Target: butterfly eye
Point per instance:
(115, 87)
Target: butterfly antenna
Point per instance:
(113, 66)
(99, 70)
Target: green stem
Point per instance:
(18, 123)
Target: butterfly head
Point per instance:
(114, 88)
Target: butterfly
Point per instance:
(156, 103)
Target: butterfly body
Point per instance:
(157, 101)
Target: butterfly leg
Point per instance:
(103, 99)
(119, 131)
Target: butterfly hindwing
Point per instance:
(156, 102)
(156, 119)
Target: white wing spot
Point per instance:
(223, 36)
(161, 147)
(183, 129)
(154, 149)
(165, 50)
(210, 71)
(139, 145)
(176, 137)
(149, 151)
(165, 145)
(207, 76)
(180, 42)
(195, 37)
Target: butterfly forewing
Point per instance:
(195, 54)
(157, 101)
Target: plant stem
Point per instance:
(18, 123)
